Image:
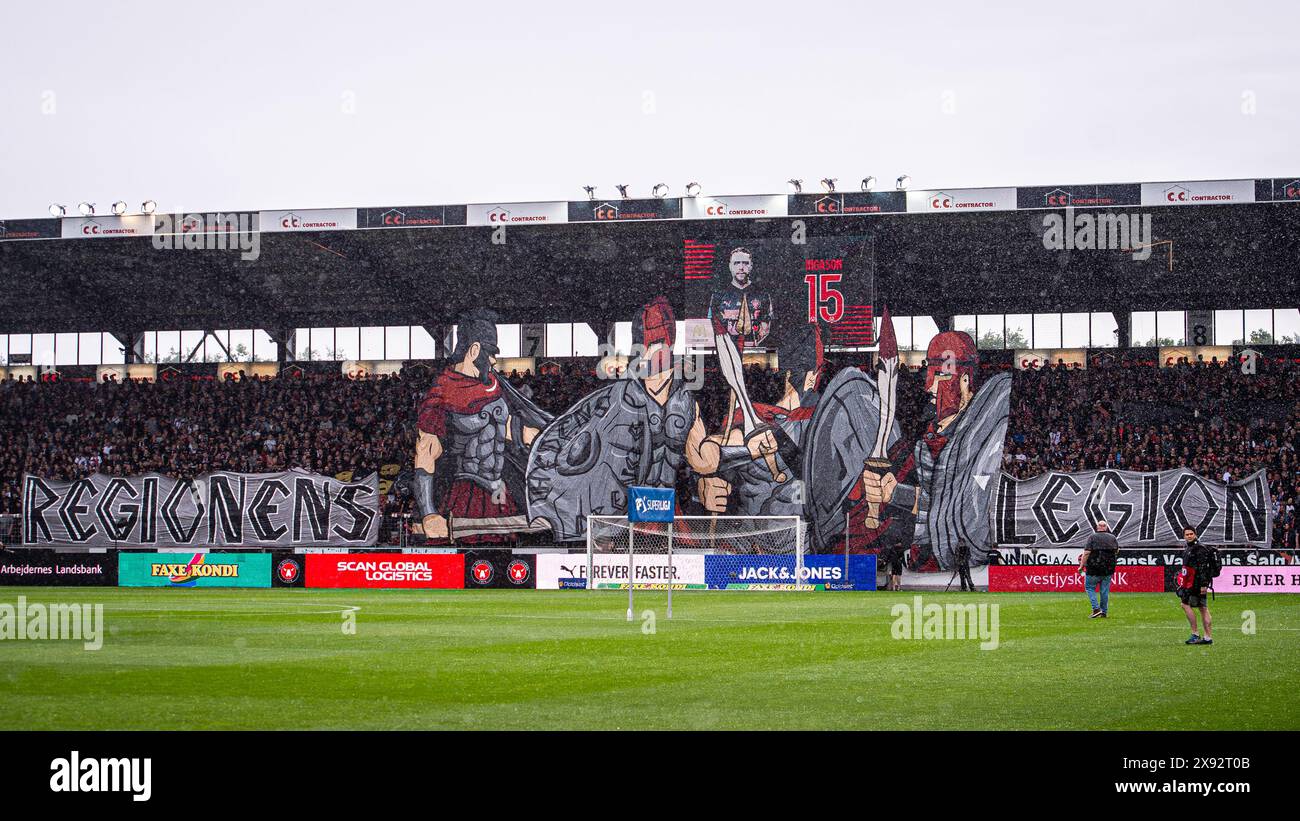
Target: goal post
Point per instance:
(696, 553)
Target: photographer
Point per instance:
(963, 567)
(1194, 582)
(1097, 564)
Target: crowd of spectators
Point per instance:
(1218, 421)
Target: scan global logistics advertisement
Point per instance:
(194, 570)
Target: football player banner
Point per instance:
(285, 509)
(1142, 509)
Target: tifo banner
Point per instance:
(194, 570)
(1142, 509)
(822, 572)
(386, 570)
(38, 567)
(215, 509)
(1020, 579)
(609, 571)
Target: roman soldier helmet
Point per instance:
(655, 325)
(950, 356)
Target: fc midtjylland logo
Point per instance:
(517, 571)
(482, 571)
(288, 571)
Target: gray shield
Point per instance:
(840, 437)
(583, 462)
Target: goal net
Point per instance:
(697, 553)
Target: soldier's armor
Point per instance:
(477, 443)
(616, 436)
(669, 425)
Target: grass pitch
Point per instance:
(497, 659)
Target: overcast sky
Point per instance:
(244, 105)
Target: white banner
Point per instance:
(1198, 193)
(962, 199)
(609, 570)
(140, 225)
(712, 208)
(224, 509)
(516, 213)
(317, 219)
(1142, 509)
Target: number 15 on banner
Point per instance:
(824, 300)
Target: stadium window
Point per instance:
(169, 346)
(1286, 325)
(89, 348)
(241, 345)
(508, 340)
(20, 344)
(1020, 330)
(559, 339)
(1074, 330)
(1142, 329)
(1229, 327)
(924, 329)
(992, 331)
(42, 349)
(585, 341)
(4, 349)
(966, 324)
(1259, 327)
(397, 342)
(65, 349)
(372, 342)
(1171, 328)
(112, 350)
(347, 343)
(264, 347)
(212, 347)
(422, 346)
(1105, 330)
(1047, 330)
(623, 338)
(302, 341)
(902, 332)
(190, 340)
(322, 344)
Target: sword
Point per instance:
(458, 527)
(733, 371)
(886, 395)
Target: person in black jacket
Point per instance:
(1097, 564)
(1194, 586)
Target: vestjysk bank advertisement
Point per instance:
(778, 573)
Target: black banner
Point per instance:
(499, 568)
(50, 569)
(412, 216)
(1078, 196)
(859, 202)
(620, 210)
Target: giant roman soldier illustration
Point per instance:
(938, 494)
(474, 433)
(644, 429)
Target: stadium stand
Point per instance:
(1122, 412)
